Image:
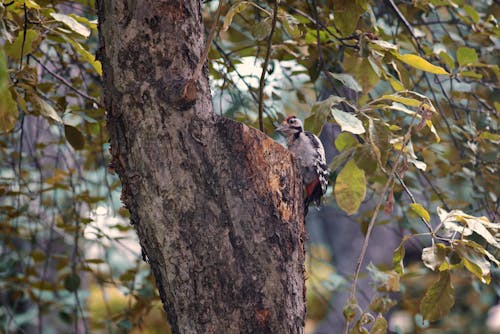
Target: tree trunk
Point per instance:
(217, 205)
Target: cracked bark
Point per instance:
(217, 205)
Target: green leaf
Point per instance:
(362, 70)
(31, 4)
(8, 107)
(403, 100)
(396, 84)
(72, 24)
(438, 299)
(345, 141)
(398, 256)
(421, 211)
(466, 56)
(446, 58)
(379, 140)
(4, 72)
(473, 14)
(44, 108)
(350, 188)
(28, 75)
(471, 74)
(420, 63)
(348, 122)
(14, 50)
(235, 9)
(261, 30)
(350, 310)
(365, 158)
(347, 13)
(320, 113)
(348, 81)
(74, 137)
(290, 24)
(72, 282)
(87, 56)
(493, 137)
(380, 325)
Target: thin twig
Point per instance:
(65, 82)
(25, 29)
(264, 67)
(211, 36)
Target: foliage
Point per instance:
(411, 85)
(58, 237)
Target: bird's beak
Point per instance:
(280, 128)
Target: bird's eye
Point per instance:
(291, 120)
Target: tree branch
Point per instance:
(264, 67)
(65, 82)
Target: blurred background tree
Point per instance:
(404, 94)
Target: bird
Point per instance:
(310, 158)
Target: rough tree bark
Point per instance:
(216, 205)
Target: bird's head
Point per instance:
(291, 125)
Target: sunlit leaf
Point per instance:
(31, 4)
(235, 9)
(348, 81)
(434, 256)
(475, 262)
(398, 257)
(421, 211)
(396, 84)
(466, 56)
(348, 122)
(350, 188)
(45, 108)
(87, 56)
(72, 24)
(420, 63)
(438, 299)
(461, 222)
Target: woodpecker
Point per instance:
(310, 156)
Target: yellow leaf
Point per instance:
(420, 63)
(350, 188)
(421, 211)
